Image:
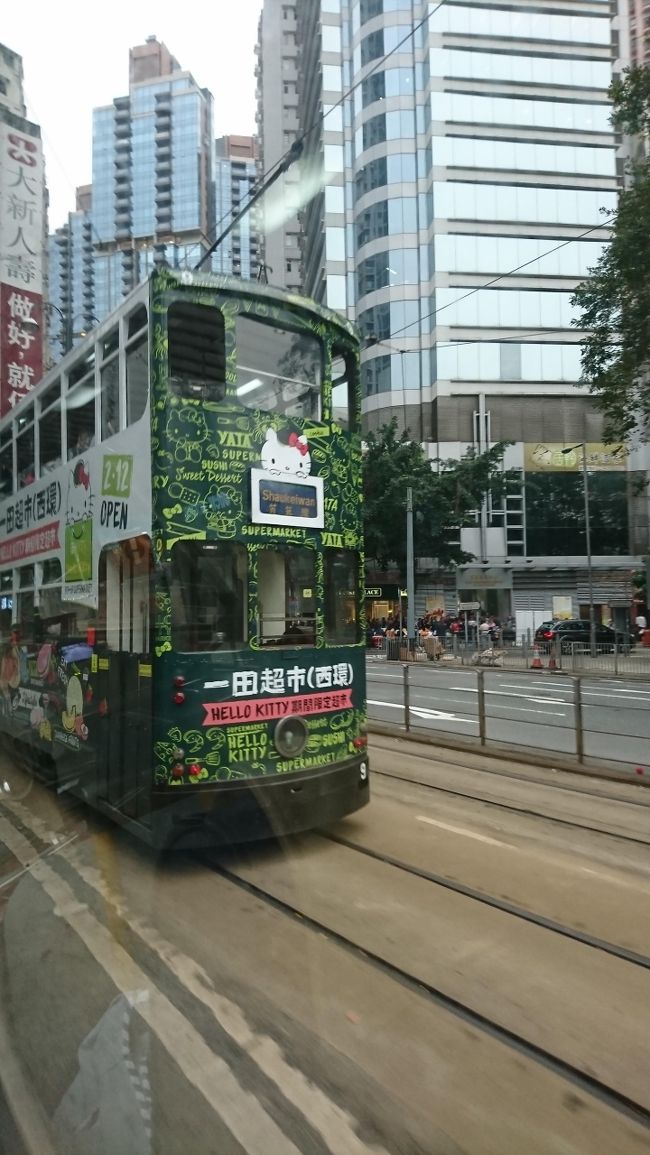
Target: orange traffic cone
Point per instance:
(552, 661)
(536, 663)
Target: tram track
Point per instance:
(504, 905)
(526, 811)
(450, 764)
(578, 1077)
(513, 807)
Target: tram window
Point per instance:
(125, 595)
(25, 456)
(278, 370)
(51, 571)
(208, 591)
(59, 618)
(49, 439)
(344, 380)
(81, 369)
(51, 396)
(6, 604)
(137, 379)
(341, 596)
(197, 351)
(110, 394)
(6, 462)
(137, 320)
(111, 343)
(80, 417)
(286, 597)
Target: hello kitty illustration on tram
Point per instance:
(181, 575)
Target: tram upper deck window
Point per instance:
(80, 416)
(278, 370)
(208, 590)
(6, 462)
(344, 380)
(197, 351)
(25, 447)
(49, 429)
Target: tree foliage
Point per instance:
(446, 495)
(614, 303)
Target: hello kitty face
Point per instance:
(282, 460)
(80, 496)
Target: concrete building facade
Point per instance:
(460, 203)
(276, 74)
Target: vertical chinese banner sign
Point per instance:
(21, 263)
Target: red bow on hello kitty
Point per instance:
(81, 475)
(300, 444)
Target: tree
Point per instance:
(446, 495)
(614, 303)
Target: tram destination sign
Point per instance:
(275, 501)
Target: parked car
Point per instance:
(577, 630)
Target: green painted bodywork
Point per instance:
(202, 454)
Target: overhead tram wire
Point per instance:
(272, 174)
(502, 276)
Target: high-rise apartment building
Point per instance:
(235, 173)
(23, 233)
(461, 193)
(277, 127)
(152, 178)
(72, 277)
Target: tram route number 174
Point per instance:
(116, 475)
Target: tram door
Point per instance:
(125, 674)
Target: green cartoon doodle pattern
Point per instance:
(202, 453)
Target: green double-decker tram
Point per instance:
(181, 578)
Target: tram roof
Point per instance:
(183, 278)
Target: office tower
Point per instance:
(152, 173)
(277, 127)
(462, 184)
(235, 173)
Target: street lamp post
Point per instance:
(590, 574)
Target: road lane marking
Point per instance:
(528, 697)
(423, 712)
(465, 833)
(239, 1109)
(337, 1127)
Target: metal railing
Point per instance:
(576, 717)
(570, 657)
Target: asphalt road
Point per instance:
(463, 968)
(525, 709)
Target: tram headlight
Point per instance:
(291, 736)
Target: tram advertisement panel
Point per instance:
(100, 496)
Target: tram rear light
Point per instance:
(179, 698)
(177, 770)
(360, 742)
(179, 681)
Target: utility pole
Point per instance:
(410, 569)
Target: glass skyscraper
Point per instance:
(152, 193)
(152, 173)
(235, 173)
(461, 194)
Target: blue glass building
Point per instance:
(152, 191)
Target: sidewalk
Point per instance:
(636, 664)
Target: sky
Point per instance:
(76, 56)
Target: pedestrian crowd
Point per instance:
(486, 629)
